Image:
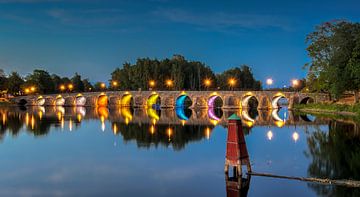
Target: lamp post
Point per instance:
(169, 83)
(103, 85)
(62, 88)
(207, 83)
(269, 82)
(151, 84)
(114, 84)
(70, 87)
(232, 83)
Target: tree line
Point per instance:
(334, 49)
(178, 73)
(167, 74)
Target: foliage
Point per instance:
(41, 80)
(334, 49)
(334, 155)
(14, 83)
(185, 75)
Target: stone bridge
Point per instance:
(172, 99)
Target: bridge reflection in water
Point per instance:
(146, 126)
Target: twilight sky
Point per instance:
(93, 37)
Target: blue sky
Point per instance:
(94, 37)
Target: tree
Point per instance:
(3, 80)
(14, 83)
(41, 80)
(87, 85)
(77, 83)
(334, 49)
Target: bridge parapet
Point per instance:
(200, 99)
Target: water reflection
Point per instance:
(335, 154)
(331, 147)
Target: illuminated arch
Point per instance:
(153, 101)
(126, 113)
(215, 114)
(40, 101)
(245, 100)
(275, 100)
(212, 101)
(80, 100)
(102, 100)
(247, 118)
(278, 121)
(59, 101)
(307, 100)
(127, 100)
(182, 113)
(183, 101)
(153, 114)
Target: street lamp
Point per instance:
(70, 87)
(207, 83)
(232, 82)
(33, 88)
(114, 84)
(62, 87)
(103, 85)
(169, 83)
(151, 83)
(295, 84)
(269, 82)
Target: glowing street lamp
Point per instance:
(62, 87)
(269, 81)
(151, 83)
(232, 82)
(169, 83)
(207, 83)
(295, 82)
(27, 90)
(32, 88)
(103, 85)
(115, 83)
(70, 86)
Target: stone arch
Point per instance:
(127, 100)
(215, 100)
(102, 100)
(278, 121)
(183, 101)
(246, 118)
(59, 101)
(40, 101)
(215, 113)
(153, 101)
(245, 100)
(22, 102)
(276, 98)
(80, 100)
(307, 100)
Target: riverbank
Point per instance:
(4, 102)
(331, 109)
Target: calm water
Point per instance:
(108, 152)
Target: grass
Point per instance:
(330, 108)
